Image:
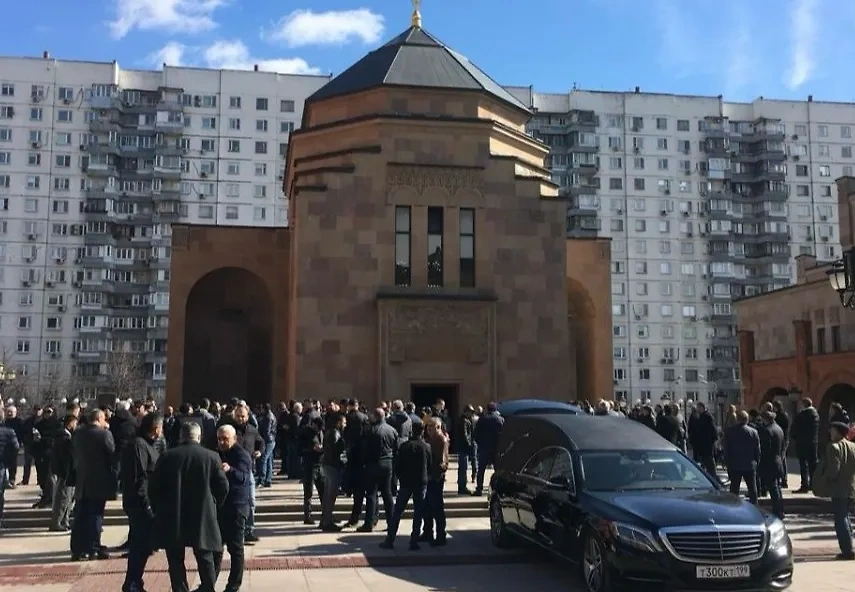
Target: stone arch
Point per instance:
(775, 392)
(581, 314)
(228, 337)
(840, 392)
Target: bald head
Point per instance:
(379, 414)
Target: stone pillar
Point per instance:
(846, 209)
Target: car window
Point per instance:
(539, 465)
(639, 470)
(562, 466)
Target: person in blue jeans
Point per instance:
(466, 450)
(267, 431)
(835, 478)
(412, 465)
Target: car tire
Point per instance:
(499, 535)
(595, 573)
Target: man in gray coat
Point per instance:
(93, 449)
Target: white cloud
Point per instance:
(678, 46)
(175, 16)
(306, 27)
(227, 55)
(171, 54)
(803, 34)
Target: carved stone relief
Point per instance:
(438, 333)
(452, 179)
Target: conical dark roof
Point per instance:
(415, 58)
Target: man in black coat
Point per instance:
(667, 424)
(186, 489)
(357, 423)
(411, 465)
(48, 428)
(486, 434)
(248, 439)
(233, 513)
(742, 454)
(95, 482)
(379, 445)
(62, 466)
(771, 467)
(783, 421)
(805, 433)
(138, 461)
(702, 437)
(402, 423)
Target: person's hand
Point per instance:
(256, 454)
(227, 467)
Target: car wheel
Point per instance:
(594, 570)
(499, 534)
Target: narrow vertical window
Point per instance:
(467, 248)
(435, 225)
(403, 242)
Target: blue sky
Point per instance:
(741, 48)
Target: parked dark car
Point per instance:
(536, 406)
(630, 508)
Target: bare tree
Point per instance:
(56, 387)
(19, 387)
(126, 374)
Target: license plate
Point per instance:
(723, 572)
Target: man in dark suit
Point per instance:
(741, 455)
(62, 466)
(233, 514)
(770, 469)
(783, 421)
(138, 461)
(187, 487)
(93, 449)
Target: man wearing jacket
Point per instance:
(412, 466)
(486, 436)
(248, 439)
(267, 432)
(9, 447)
(742, 454)
(232, 515)
(138, 460)
(835, 478)
(805, 431)
(62, 466)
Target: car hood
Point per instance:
(681, 508)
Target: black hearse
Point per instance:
(630, 508)
(536, 407)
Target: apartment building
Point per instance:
(705, 201)
(96, 163)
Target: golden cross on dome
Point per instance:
(416, 20)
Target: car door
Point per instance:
(530, 497)
(563, 517)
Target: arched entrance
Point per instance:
(228, 338)
(842, 393)
(580, 317)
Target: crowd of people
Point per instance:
(188, 478)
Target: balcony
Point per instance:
(167, 173)
(169, 127)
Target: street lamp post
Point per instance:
(841, 276)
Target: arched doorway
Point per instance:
(777, 393)
(842, 393)
(228, 338)
(580, 317)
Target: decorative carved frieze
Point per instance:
(438, 333)
(451, 179)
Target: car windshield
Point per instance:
(616, 470)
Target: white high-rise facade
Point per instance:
(96, 163)
(705, 201)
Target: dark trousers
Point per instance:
(139, 545)
(484, 461)
(86, 528)
(232, 520)
(404, 495)
(28, 467)
(750, 478)
(4, 480)
(770, 481)
(13, 469)
(467, 460)
(707, 461)
(294, 463)
(178, 573)
(434, 511)
(356, 481)
(311, 478)
(332, 480)
(45, 479)
(842, 509)
(807, 467)
(379, 483)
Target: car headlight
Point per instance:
(635, 537)
(777, 533)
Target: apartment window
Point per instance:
(25, 322)
(64, 115)
(60, 206)
(231, 212)
(209, 123)
(259, 213)
(33, 182)
(661, 123)
(260, 169)
(637, 124)
(286, 127)
(286, 106)
(467, 248)
(23, 346)
(234, 103)
(403, 242)
(53, 323)
(801, 170)
(5, 157)
(234, 124)
(835, 339)
(233, 168)
(261, 104)
(206, 212)
(638, 183)
(823, 131)
(36, 113)
(63, 139)
(259, 191)
(63, 160)
(261, 147)
(846, 151)
(261, 125)
(825, 171)
(615, 183)
(683, 125)
(435, 228)
(5, 134)
(234, 146)
(7, 89)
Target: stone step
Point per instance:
(341, 514)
